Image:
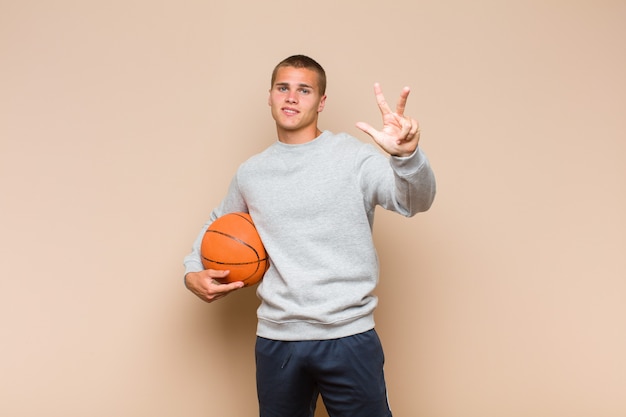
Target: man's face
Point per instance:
(295, 99)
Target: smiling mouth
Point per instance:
(289, 111)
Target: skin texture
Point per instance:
(295, 102)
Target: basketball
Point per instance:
(232, 242)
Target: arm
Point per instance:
(414, 182)
(202, 281)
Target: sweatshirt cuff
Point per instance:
(407, 165)
(192, 265)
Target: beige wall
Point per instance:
(121, 123)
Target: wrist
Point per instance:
(185, 282)
(404, 154)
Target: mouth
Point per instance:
(289, 111)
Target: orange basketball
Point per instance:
(232, 242)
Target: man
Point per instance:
(312, 196)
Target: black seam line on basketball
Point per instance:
(236, 239)
(235, 263)
(244, 218)
(252, 274)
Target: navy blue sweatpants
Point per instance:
(347, 372)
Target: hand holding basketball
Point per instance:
(205, 286)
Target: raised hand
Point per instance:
(400, 134)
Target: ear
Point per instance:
(322, 104)
(269, 98)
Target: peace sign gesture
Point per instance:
(400, 134)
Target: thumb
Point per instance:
(218, 273)
(366, 128)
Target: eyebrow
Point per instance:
(285, 84)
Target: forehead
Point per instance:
(296, 76)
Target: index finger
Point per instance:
(404, 94)
(380, 99)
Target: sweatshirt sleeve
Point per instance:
(405, 185)
(193, 261)
(415, 185)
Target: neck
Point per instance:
(298, 137)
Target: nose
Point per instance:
(291, 97)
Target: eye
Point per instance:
(305, 91)
(282, 88)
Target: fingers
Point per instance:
(205, 284)
(404, 95)
(380, 99)
(217, 290)
(406, 126)
(414, 131)
(382, 102)
(217, 273)
(220, 288)
(409, 130)
(217, 287)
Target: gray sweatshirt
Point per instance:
(313, 205)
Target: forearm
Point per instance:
(414, 181)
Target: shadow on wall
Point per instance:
(236, 317)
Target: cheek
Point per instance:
(272, 99)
